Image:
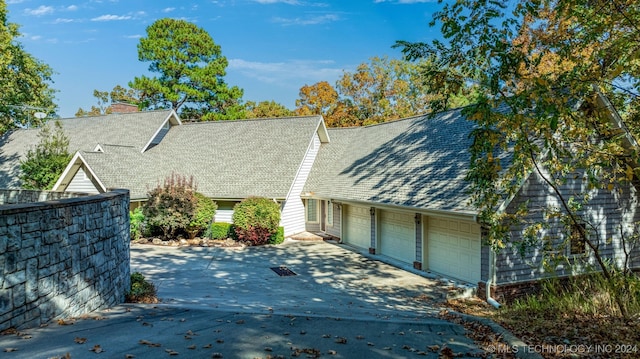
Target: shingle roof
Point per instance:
(228, 159)
(416, 162)
(131, 129)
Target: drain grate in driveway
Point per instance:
(283, 271)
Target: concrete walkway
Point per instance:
(225, 302)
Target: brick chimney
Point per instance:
(121, 107)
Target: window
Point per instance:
(166, 125)
(330, 213)
(577, 242)
(312, 210)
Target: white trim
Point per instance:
(72, 168)
(176, 121)
(98, 148)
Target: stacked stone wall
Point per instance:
(62, 258)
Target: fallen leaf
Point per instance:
(63, 322)
(96, 349)
(189, 332)
(216, 355)
(219, 341)
(341, 340)
(326, 335)
(80, 340)
(9, 350)
(145, 324)
(192, 347)
(386, 348)
(129, 356)
(207, 346)
(332, 352)
(173, 352)
(240, 321)
(433, 348)
(303, 332)
(359, 337)
(268, 349)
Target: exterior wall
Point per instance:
(602, 212)
(81, 183)
(293, 212)
(335, 228)
(16, 196)
(63, 258)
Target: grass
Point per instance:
(577, 314)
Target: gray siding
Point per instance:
(81, 182)
(293, 212)
(602, 212)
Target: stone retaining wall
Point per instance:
(62, 258)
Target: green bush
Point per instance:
(136, 223)
(142, 291)
(205, 210)
(277, 237)
(220, 230)
(172, 206)
(255, 220)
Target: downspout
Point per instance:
(492, 274)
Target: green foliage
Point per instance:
(220, 230)
(277, 237)
(45, 163)
(105, 99)
(266, 109)
(544, 72)
(256, 219)
(172, 206)
(25, 81)
(203, 217)
(142, 291)
(136, 223)
(191, 70)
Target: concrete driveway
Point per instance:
(225, 302)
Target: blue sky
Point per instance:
(274, 47)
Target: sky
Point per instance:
(274, 47)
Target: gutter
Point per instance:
(492, 274)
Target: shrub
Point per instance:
(277, 237)
(136, 223)
(142, 291)
(204, 212)
(172, 206)
(220, 230)
(255, 220)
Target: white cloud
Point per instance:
(111, 18)
(137, 36)
(405, 1)
(311, 20)
(62, 21)
(286, 73)
(40, 11)
(72, 8)
(168, 9)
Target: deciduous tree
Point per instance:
(45, 162)
(190, 69)
(24, 80)
(266, 109)
(540, 68)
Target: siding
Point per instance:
(293, 213)
(602, 211)
(335, 229)
(81, 183)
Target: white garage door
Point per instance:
(454, 248)
(357, 228)
(397, 236)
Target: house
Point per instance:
(396, 190)
(229, 160)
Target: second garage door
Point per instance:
(454, 248)
(397, 236)
(357, 227)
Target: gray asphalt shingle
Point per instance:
(416, 162)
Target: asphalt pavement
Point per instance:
(230, 303)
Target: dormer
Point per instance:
(170, 121)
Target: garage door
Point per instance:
(357, 229)
(453, 248)
(397, 236)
